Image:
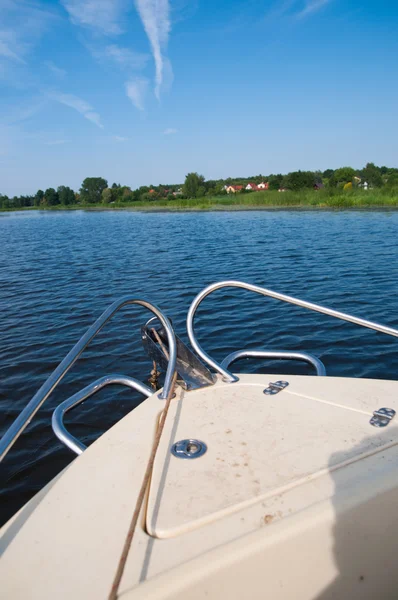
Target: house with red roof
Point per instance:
(232, 189)
(252, 187)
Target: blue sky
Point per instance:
(144, 91)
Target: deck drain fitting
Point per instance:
(275, 388)
(188, 449)
(382, 417)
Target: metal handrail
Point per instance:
(266, 292)
(57, 420)
(17, 427)
(304, 356)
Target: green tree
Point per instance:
(91, 190)
(106, 196)
(298, 180)
(332, 183)
(219, 189)
(141, 192)
(328, 173)
(210, 184)
(201, 191)
(27, 200)
(148, 197)
(117, 192)
(4, 202)
(51, 197)
(275, 182)
(392, 179)
(161, 190)
(66, 195)
(127, 194)
(39, 198)
(371, 174)
(344, 175)
(193, 182)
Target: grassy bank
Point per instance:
(328, 198)
(273, 199)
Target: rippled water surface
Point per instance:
(59, 271)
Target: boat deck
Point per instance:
(294, 497)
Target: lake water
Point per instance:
(59, 271)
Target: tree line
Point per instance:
(95, 190)
(345, 177)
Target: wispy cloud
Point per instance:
(119, 138)
(6, 52)
(155, 17)
(106, 17)
(23, 22)
(127, 58)
(25, 112)
(136, 90)
(57, 71)
(169, 131)
(280, 8)
(296, 9)
(103, 15)
(56, 142)
(94, 118)
(311, 7)
(80, 105)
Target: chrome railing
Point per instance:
(58, 415)
(275, 355)
(266, 292)
(17, 427)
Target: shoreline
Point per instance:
(214, 208)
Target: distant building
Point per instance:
(282, 190)
(264, 185)
(232, 189)
(318, 185)
(251, 186)
(364, 185)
